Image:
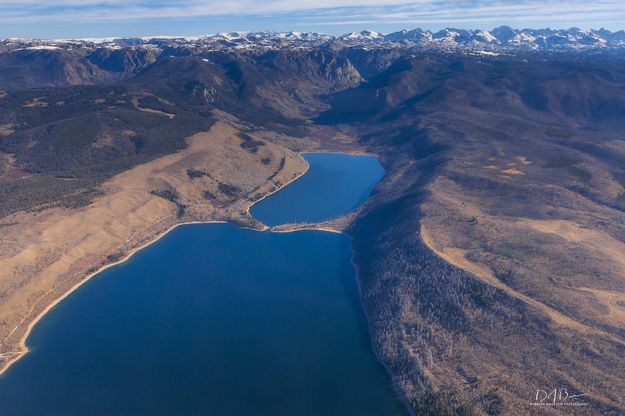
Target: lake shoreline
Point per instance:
(320, 226)
(247, 211)
(17, 355)
(24, 348)
(296, 227)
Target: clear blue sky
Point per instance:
(97, 18)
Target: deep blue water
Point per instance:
(210, 320)
(335, 184)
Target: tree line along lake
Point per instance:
(213, 319)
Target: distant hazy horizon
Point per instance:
(61, 19)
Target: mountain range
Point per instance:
(499, 39)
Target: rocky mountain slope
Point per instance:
(492, 254)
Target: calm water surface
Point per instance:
(215, 320)
(334, 185)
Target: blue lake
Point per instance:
(214, 320)
(334, 185)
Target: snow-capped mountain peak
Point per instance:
(495, 40)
